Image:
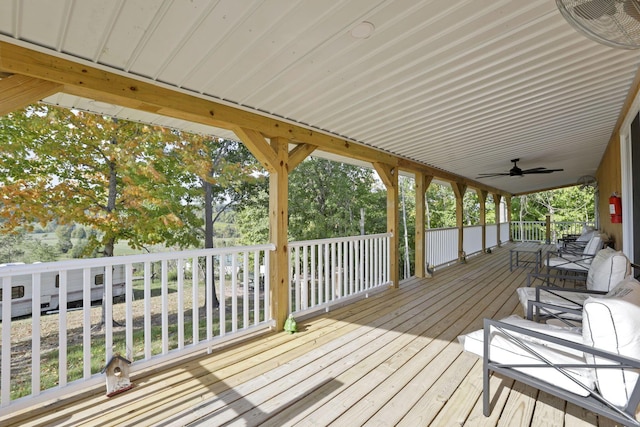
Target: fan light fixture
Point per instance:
(614, 23)
(363, 30)
(516, 171)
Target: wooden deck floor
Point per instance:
(392, 359)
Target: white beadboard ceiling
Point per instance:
(464, 86)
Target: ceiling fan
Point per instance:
(516, 171)
(614, 23)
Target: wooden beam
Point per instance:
(389, 176)
(259, 147)
(415, 167)
(278, 229)
(17, 91)
(422, 184)
(88, 80)
(299, 153)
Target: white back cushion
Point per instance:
(504, 350)
(607, 269)
(587, 233)
(612, 323)
(593, 245)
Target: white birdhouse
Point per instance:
(117, 375)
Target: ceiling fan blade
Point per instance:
(490, 175)
(531, 170)
(543, 170)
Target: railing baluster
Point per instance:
(147, 310)
(234, 293)
(165, 305)
(256, 287)
(36, 280)
(128, 295)
(245, 290)
(209, 293)
(5, 364)
(62, 329)
(180, 303)
(222, 282)
(86, 323)
(195, 301)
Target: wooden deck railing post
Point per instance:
(389, 176)
(459, 190)
(547, 233)
(496, 201)
(482, 198)
(422, 184)
(275, 157)
(507, 201)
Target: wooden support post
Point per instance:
(547, 233)
(278, 230)
(422, 184)
(482, 198)
(389, 176)
(459, 190)
(274, 157)
(496, 202)
(507, 201)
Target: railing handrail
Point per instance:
(79, 264)
(299, 243)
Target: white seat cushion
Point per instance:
(569, 263)
(612, 323)
(529, 294)
(504, 350)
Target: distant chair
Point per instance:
(576, 262)
(607, 269)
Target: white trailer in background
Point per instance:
(22, 289)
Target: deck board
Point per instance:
(391, 359)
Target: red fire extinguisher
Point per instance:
(615, 208)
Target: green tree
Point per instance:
(565, 204)
(441, 206)
(11, 246)
(326, 200)
(81, 168)
(63, 232)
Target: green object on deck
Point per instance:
(290, 324)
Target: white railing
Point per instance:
(328, 271)
(167, 311)
(472, 239)
(492, 236)
(504, 232)
(536, 231)
(441, 246)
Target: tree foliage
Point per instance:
(127, 181)
(573, 204)
(326, 199)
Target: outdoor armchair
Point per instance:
(607, 269)
(576, 262)
(595, 367)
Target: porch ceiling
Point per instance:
(463, 86)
